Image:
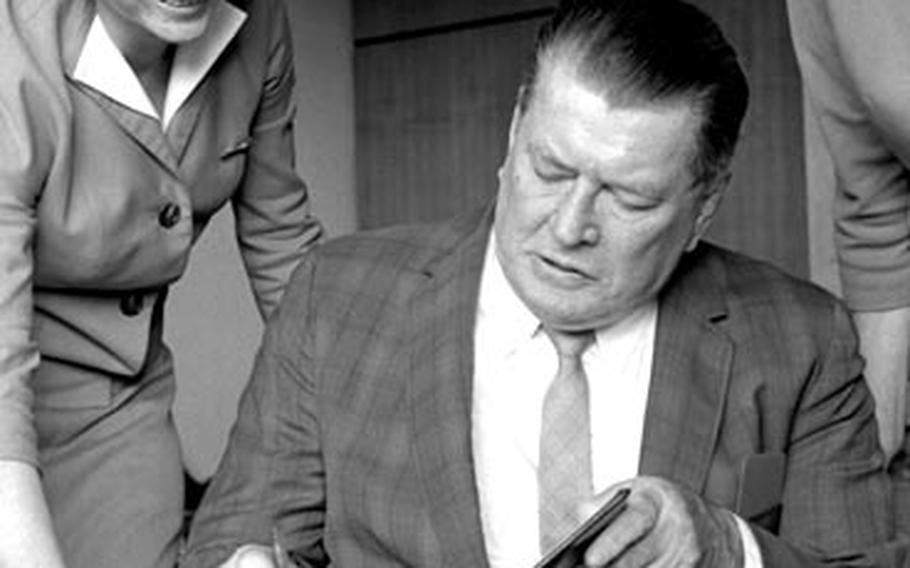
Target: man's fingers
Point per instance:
(639, 554)
(630, 527)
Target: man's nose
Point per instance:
(575, 220)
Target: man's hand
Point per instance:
(665, 525)
(884, 341)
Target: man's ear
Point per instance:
(517, 112)
(708, 203)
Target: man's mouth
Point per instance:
(565, 268)
(182, 3)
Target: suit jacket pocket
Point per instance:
(761, 486)
(238, 148)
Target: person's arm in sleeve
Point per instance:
(269, 488)
(837, 505)
(26, 533)
(855, 62)
(272, 209)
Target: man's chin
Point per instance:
(569, 320)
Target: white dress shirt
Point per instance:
(514, 364)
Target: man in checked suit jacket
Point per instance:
(396, 392)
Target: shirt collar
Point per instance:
(511, 322)
(103, 67)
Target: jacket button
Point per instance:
(169, 215)
(131, 304)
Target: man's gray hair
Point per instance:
(652, 51)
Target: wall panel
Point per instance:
(764, 212)
(432, 121)
(376, 18)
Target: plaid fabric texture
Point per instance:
(354, 435)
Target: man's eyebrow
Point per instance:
(646, 188)
(542, 152)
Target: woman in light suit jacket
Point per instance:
(855, 62)
(124, 125)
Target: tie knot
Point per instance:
(570, 345)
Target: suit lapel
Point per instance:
(168, 148)
(692, 361)
(189, 84)
(181, 128)
(100, 71)
(145, 130)
(440, 387)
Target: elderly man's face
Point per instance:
(171, 21)
(596, 203)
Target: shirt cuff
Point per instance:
(751, 551)
(250, 556)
